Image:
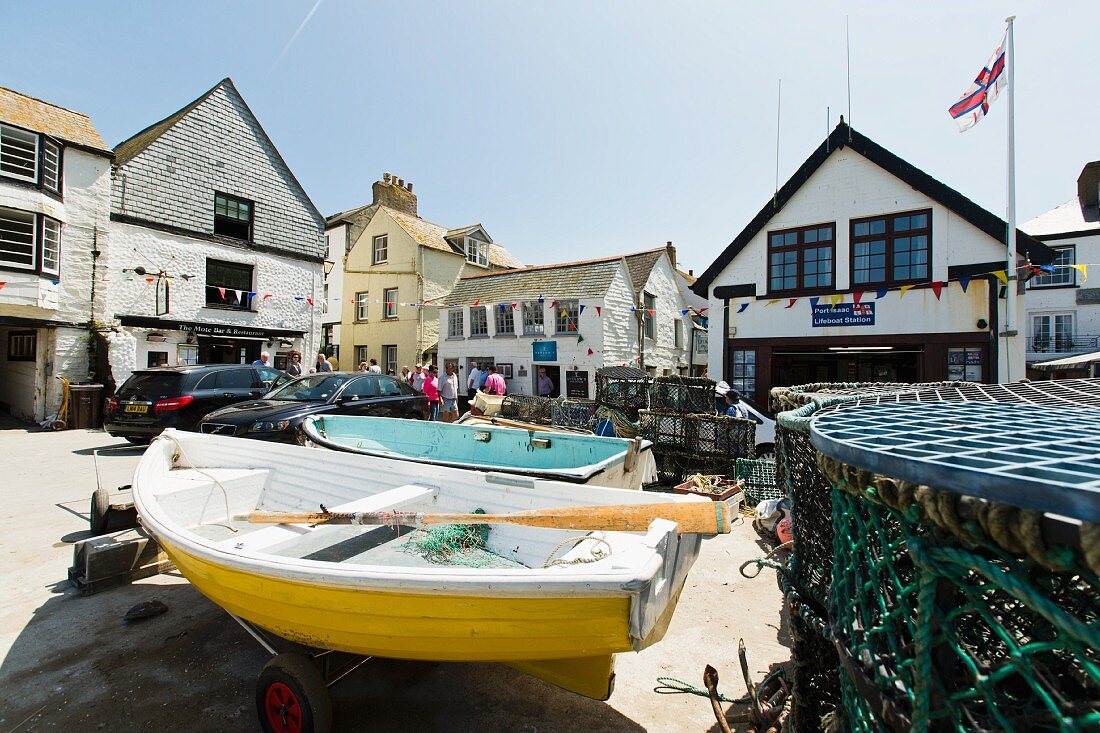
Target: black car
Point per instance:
(278, 416)
(178, 397)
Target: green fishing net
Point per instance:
(458, 544)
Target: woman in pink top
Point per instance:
(431, 391)
(494, 384)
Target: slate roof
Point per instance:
(432, 235)
(582, 279)
(346, 217)
(57, 122)
(987, 222)
(1069, 218)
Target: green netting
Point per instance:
(457, 544)
(759, 478)
(945, 635)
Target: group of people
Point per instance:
(486, 380)
(294, 366)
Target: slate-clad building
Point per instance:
(863, 268)
(54, 203)
(217, 251)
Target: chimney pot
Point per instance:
(669, 243)
(409, 187)
(400, 182)
(386, 177)
(691, 273)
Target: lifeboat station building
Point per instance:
(863, 268)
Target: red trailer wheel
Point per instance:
(292, 697)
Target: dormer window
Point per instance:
(477, 252)
(31, 157)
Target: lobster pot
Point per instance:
(675, 468)
(792, 398)
(665, 429)
(572, 413)
(624, 389)
(722, 436)
(682, 394)
(950, 611)
(759, 478)
(526, 408)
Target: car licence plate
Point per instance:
(137, 408)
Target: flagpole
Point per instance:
(1010, 268)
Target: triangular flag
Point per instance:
(880, 294)
(580, 337)
(501, 307)
(149, 280)
(791, 304)
(1001, 275)
(857, 296)
(590, 352)
(814, 301)
(905, 289)
(580, 309)
(3, 283)
(298, 297)
(683, 311)
(540, 298)
(650, 311)
(553, 304)
(55, 281)
(633, 309)
(477, 302)
(964, 282)
(240, 295)
(599, 311)
(564, 313)
(309, 300)
(834, 299)
(773, 301)
(252, 294)
(515, 306)
(1084, 270)
(937, 288)
(1047, 268)
(742, 307)
(268, 295)
(221, 291)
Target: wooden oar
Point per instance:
(711, 517)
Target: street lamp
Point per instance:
(329, 264)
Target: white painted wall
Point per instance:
(1056, 300)
(132, 295)
(848, 186)
(336, 237)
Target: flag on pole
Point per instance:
(991, 80)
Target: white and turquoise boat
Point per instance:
(583, 459)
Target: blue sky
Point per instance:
(580, 129)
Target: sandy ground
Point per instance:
(72, 663)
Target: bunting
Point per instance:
(773, 301)
(580, 309)
(880, 294)
(599, 311)
(590, 352)
(150, 279)
(683, 311)
(742, 307)
(1001, 275)
(309, 300)
(964, 282)
(477, 303)
(814, 301)
(905, 289)
(834, 299)
(3, 283)
(791, 304)
(857, 296)
(540, 298)
(1084, 270)
(221, 291)
(937, 288)
(580, 337)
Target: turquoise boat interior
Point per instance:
(560, 455)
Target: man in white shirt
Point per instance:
(473, 381)
(374, 368)
(418, 378)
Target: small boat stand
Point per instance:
(292, 691)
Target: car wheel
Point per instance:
(766, 451)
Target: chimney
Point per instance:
(393, 192)
(691, 273)
(671, 253)
(409, 187)
(1088, 184)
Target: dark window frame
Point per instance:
(1035, 283)
(391, 364)
(39, 181)
(232, 220)
(800, 247)
(38, 244)
(212, 288)
(13, 355)
(889, 236)
(649, 320)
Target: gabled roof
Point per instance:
(57, 122)
(1069, 218)
(579, 279)
(346, 217)
(435, 236)
(130, 148)
(920, 181)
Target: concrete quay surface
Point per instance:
(71, 663)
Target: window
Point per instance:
(801, 259)
(390, 387)
(156, 358)
(892, 249)
(566, 315)
(22, 345)
(390, 354)
(744, 372)
(380, 250)
(236, 379)
(649, 310)
(701, 345)
(678, 333)
(18, 247)
(228, 285)
(389, 303)
(360, 356)
(477, 252)
(532, 318)
(361, 302)
(51, 166)
(187, 354)
(479, 321)
(1060, 272)
(324, 301)
(51, 246)
(232, 216)
(506, 320)
(1052, 332)
(454, 324)
(19, 153)
(361, 388)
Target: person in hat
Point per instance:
(731, 400)
(418, 378)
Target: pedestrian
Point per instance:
(418, 377)
(473, 381)
(545, 386)
(406, 375)
(431, 391)
(362, 366)
(374, 368)
(731, 401)
(294, 366)
(322, 364)
(484, 375)
(264, 360)
(448, 393)
(494, 383)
